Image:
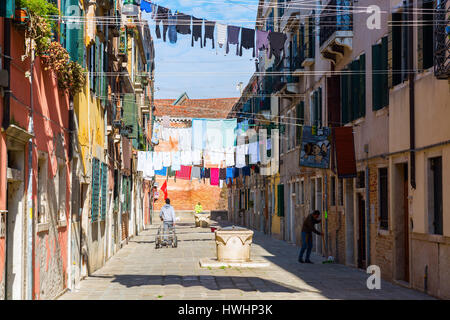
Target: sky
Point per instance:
(203, 73)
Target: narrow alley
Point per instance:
(139, 271)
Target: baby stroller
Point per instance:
(166, 239)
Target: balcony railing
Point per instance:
(442, 41)
(337, 16)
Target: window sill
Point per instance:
(62, 223)
(382, 232)
(42, 227)
(382, 112)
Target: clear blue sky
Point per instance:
(203, 73)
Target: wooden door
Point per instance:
(361, 233)
(406, 223)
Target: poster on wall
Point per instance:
(315, 147)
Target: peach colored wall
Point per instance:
(50, 118)
(3, 153)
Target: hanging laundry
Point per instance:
(253, 151)
(221, 184)
(214, 139)
(222, 34)
(167, 159)
(162, 15)
(223, 173)
(172, 173)
(246, 171)
(229, 133)
(141, 160)
(173, 139)
(186, 158)
(248, 40)
(185, 139)
(146, 6)
(198, 134)
(241, 151)
(172, 28)
(197, 27)
(176, 161)
(148, 171)
(196, 157)
(207, 173)
(162, 172)
(230, 174)
(233, 38)
(184, 173)
(262, 40)
(209, 31)
(214, 180)
(157, 160)
(183, 23)
(277, 41)
(156, 133)
(195, 173)
(229, 156)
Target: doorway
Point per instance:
(401, 218)
(361, 232)
(349, 223)
(15, 227)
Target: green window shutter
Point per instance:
(8, 8)
(355, 82)
(384, 77)
(95, 178)
(280, 199)
(362, 86)
(344, 98)
(420, 38)
(376, 85)
(319, 113)
(104, 190)
(130, 114)
(300, 121)
(389, 54)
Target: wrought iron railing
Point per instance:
(442, 40)
(337, 16)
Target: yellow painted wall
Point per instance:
(276, 223)
(91, 123)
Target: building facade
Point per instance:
(378, 85)
(67, 200)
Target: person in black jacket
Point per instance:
(307, 230)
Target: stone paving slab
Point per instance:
(139, 271)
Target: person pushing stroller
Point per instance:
(167, 215)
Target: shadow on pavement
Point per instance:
(247, 284)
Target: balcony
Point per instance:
(336, 30)
(138, 88)
(442, 41)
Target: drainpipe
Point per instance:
(412, 130)
(30, 184)
(367, 211)
(326, 213)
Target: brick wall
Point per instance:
(381, 244)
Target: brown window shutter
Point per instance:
(345, 152)
(390, 59)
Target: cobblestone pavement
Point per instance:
(139, 271)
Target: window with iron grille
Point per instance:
(383, 198)
(95, 177)
(435, 203)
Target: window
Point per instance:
(61, 192)
(280, 211)
(380, 88)
(383, 198)
(302, 192)
(292, 126)
(425, 34)
(310, 36)
(353, 90)
(435, 208)
(316, 107)
(399, 38)
(361, 180)
(333, 191)
(42, 191)
(341, 192)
